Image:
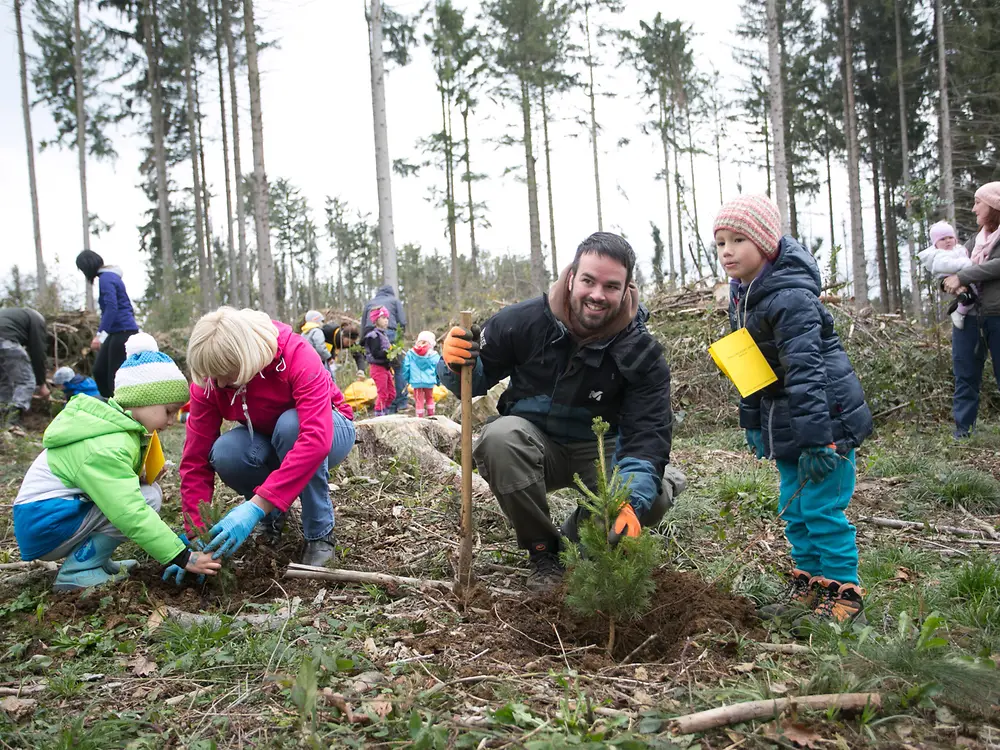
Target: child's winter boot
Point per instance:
(85, 566)
(841, 603)
(799, 597)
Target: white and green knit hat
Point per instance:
(148, 377)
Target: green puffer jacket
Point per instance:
(92, 456)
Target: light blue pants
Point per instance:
(821, 537)
(245, 462)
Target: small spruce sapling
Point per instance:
(210, 514)
(615, 581)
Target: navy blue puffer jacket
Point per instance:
(817, 399)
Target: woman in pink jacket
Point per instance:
(293, 426)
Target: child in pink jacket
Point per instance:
(293, 426)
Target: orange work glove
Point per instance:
(461, 347)
(627, 524)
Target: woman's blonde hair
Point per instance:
(231, 342)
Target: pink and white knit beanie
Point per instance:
(940, 230)
(756, 218)
(990, 194)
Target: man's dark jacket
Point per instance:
(560, 387)
(27, 328)
(385, 297)
(817, 399)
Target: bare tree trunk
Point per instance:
(199, 234)
(449, 178)
(915, 306)
(243, 264)
(29, 143)
(885, 301)
(468, 183)
(265, 263)
(593, 118)
(150, 42)
(678, 202)
(534, 228)
(383, 172)
(81, 135)
(548, 185)
(947, 184)
(206, 216)
(700, 246)
(891, 244)
(666, 182)
(230, 244)
(829, 191)
(858, 260)
(777, 106)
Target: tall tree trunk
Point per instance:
(767, 152)
(243, 264)
(858, 261)
(777, 106)
(206, 215)
(915, 307)
(718, 144)
(829, 187)
(548, 184)
(666, 182)
(81, 135)
(456, 279)
(199, 234)
(677, 200)
(534, 228)
(150, 35)
(947, 175)
(593, 118)
(383, 170)
(891, 243)
(880, 255)
(700, 246)
(265, 263)
(234, 297)
(468, 183)
(29, 143)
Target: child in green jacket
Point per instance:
(85, 493)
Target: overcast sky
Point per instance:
(318, 135)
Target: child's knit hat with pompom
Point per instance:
(148, 377)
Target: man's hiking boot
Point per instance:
(546, 570)
(841, 603)
(319, 552)
(799, 597)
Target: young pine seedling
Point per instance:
(614, 580)
(211, 513)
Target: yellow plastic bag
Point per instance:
(361, 393)
(740, 359)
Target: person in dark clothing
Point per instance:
(580, 352)
(385, 297)
(22, 361)
(117, 318)
(811, 419)
(344, 337)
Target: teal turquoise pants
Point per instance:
(821, 537)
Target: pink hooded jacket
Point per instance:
(295, 379)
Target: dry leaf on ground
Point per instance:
(141, 666)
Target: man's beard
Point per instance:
(589, 319)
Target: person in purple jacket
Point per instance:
(117, 318)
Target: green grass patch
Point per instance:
(954, 485)
(752, 491)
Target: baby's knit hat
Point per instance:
(427, 336)
(148, 377)
(756, 218)
(941, 230)
(63, 375)
(377, 313)
(314, 316)
(990, 194)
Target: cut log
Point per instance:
(432, 443)
(739, 713)
(296, 570)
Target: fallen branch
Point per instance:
(783, 648)
(895, 523)
(24, 689)
(189, 620)
(640, 647)
(739, 713)
(43, 564)
(296, 570)
(987, 528)
(184, 696)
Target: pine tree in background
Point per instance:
(614, 580)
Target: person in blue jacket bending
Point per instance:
(73, 384)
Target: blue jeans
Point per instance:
(969, 346)
(245, 462)
(402, 396)
(822, 539)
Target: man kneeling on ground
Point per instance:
(580, 352)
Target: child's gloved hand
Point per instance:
(229, 534)
(755, 441)
(461, 347)
(198, 564)
(627, 524)
(817, 462)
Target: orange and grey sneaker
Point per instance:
(841, 603)
(799, 597)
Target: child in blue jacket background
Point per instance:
(420, 371)
(73, 384)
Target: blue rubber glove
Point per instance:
(817, 462)
(755, 441)
(177, 573)
(229, 534)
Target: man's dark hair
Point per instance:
(607, 245)
(90, 263)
